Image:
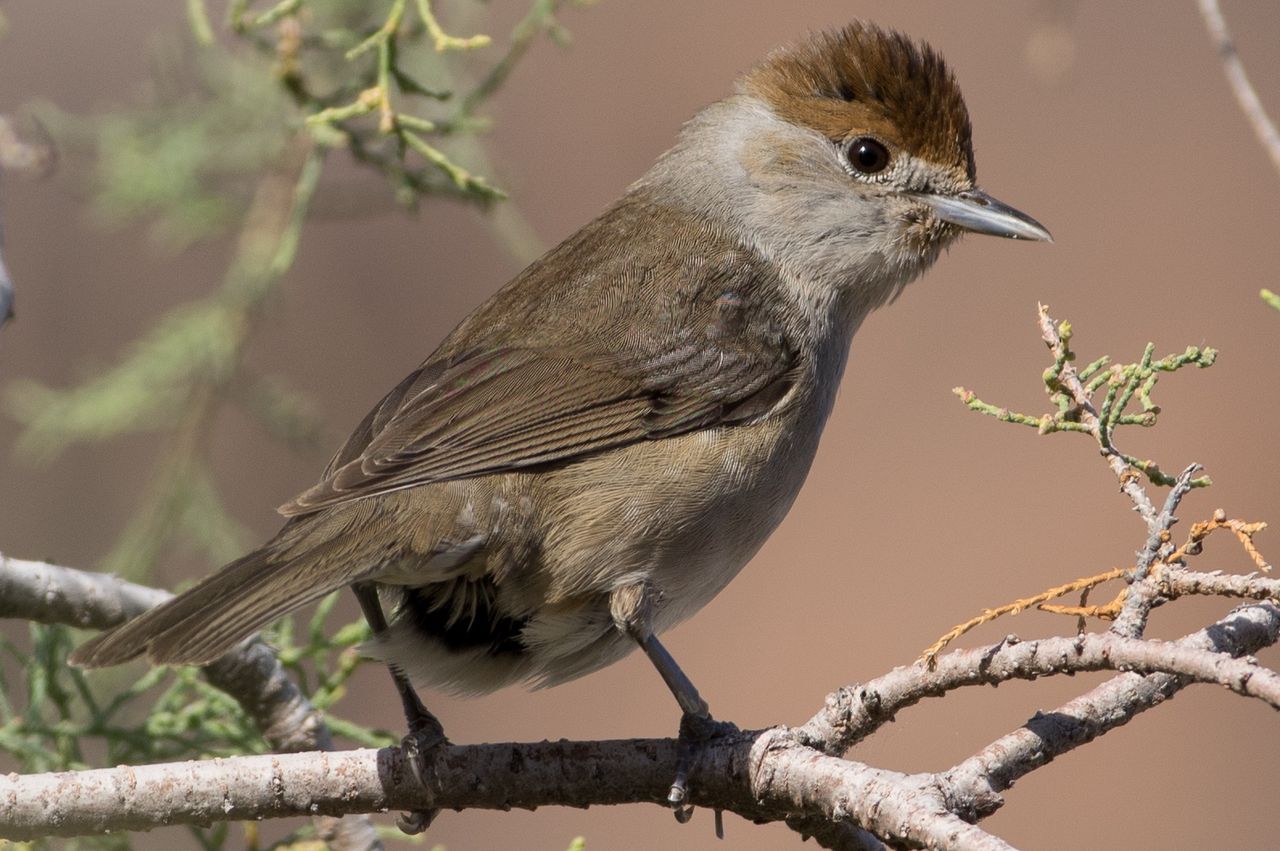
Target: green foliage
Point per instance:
(146, 391)
(392, 78)
(185, 159)
(57, 712)
(235, 132)
(1111, 390)
(1271, 298)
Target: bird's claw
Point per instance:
(700, 729)
(414, 749)
(695, 731)
(676, 798)
(411, 824)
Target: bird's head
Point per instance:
(846, 157)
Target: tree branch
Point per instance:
(1181, 583)
(837, 836)
(1143, 593)
(250, 674)
(854, 712)
(974, 785)
(774, 774)
(761, 775)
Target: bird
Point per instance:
(593, 453)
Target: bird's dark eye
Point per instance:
(867, 155)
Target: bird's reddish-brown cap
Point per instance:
(861, 79)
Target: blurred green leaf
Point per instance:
(145, 392)
(184, 159)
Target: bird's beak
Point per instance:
(976, 211)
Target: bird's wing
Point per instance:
(478, 413)
(509, 408)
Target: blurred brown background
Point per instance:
(1109, 122)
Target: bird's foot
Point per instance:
(696, 731)
(413, 823)
(426, 735)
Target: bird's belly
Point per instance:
(683, 514)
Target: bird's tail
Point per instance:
(201, 624)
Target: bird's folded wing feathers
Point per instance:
(510, 408)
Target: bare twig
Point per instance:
(974, 786)
(1037, 601)
(1243, 531)
(855, 712)
(1180, 583)
(1263, 127)
(1143, 593)
(1132, 606)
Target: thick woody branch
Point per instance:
(339, 783)
(498, 776)
(768, 775)
(251, 674)
(760, 776)
(904, 809)
(836, 836)
(47, 593)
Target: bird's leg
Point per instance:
(420, 720)
(697, 727)
(425, 730)
(630, 608)
(686, 694)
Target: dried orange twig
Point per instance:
(1107, 611)
(931, 652)
(1243, 531)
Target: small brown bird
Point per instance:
(591, 456)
